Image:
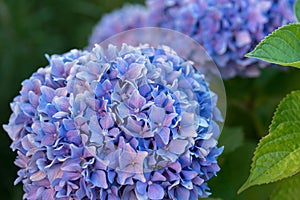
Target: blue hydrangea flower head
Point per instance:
(227, 29)
(126, 18)
(131, 123)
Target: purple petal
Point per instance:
(136, 100)
(47, 93)
(69, 124)
(243, 38)
(48, 128)
(155, 191)
(164, 134)
(57, 67)
(158, 177)
(134, 71)
(28, 109)
(39, 175)
(168, 119)
(61, 103)
(157, 114)
(54, 174)
(178, 146)
(99, 179)
(71, 176)
(107, 122)
(182, 193)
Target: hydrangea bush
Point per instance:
(128, 17)
(227, 29)
(134, 123)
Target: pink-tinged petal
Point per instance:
(107, 122)
(158, 177)
(155, 191)
(61, 103)
(175, 166)
(99, 179)
(48, 140)
(169, 118)
(136, 101)
(48, 128)
(243, 38)
(54, 174)
(178, 146)
(122, 176)
(187, 119)
(37, 176)
(47, 93)
(85, 76)
(71, 165)
(157, 114)
(134, 70)
(188, 131)
(13, 130)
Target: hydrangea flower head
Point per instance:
(126, 18)
(130, 123)
(227, 29)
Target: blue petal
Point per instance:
(47, 93)
(141, 187)
(182, 193)
(99, 179)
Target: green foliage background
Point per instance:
(29, 29)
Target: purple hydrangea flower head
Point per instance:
(131, 123)
(126, 18)
(227, 29)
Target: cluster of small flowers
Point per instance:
(128, 17)
(134, 123)
(227, 29)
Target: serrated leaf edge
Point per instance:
(252, 54)
(246, 185)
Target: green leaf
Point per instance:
(280, 47)
(287, 189)
(278, 154)
(297, 9)
(231, 138)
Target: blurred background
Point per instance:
(31, 29)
